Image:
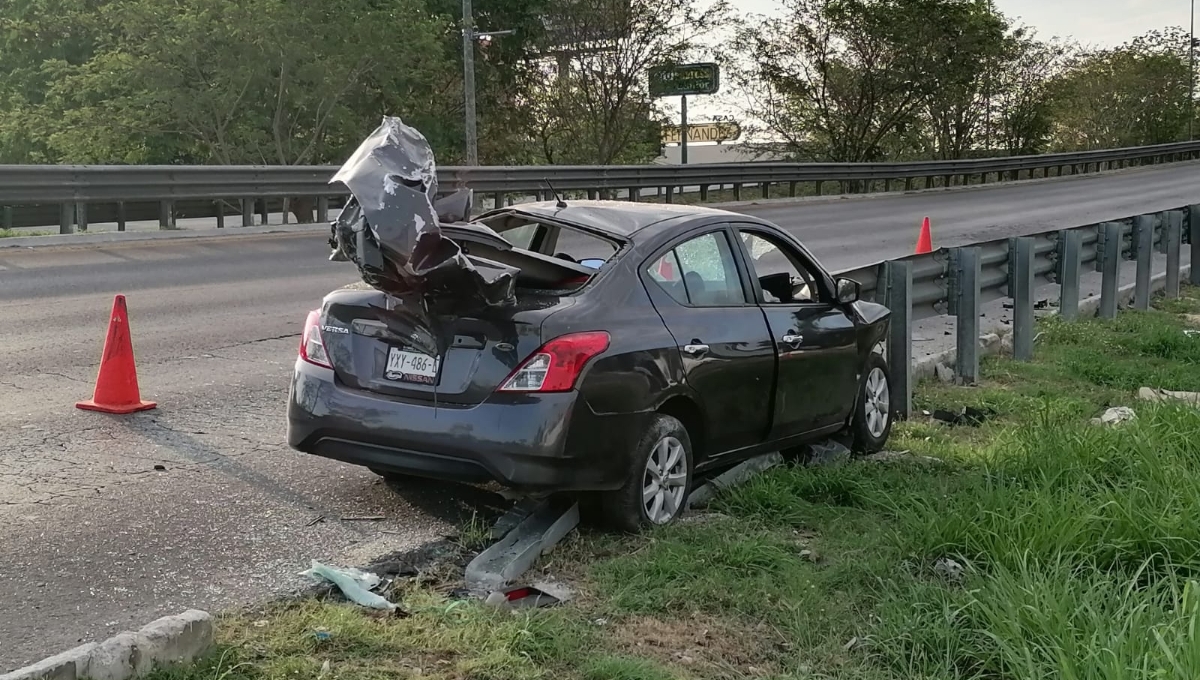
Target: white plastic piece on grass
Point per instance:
(354, 584)
(1115, 416)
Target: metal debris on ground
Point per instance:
(355, 584)
(1115, 416)
(702, 495)
(538, 595)
(967, 415)
(826, 453)
(505, 561)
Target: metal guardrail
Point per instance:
(958, 281)
(75, 187)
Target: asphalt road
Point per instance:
(95, 539)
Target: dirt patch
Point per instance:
(705, 646)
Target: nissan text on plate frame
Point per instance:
(484, 351)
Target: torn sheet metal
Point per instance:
(390, 228)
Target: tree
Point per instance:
(594, 105)
(1021, 110)
(970, 44)
(1131, 95)
(847, 80)
(248, 82)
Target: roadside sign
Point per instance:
(722, 131)
(684, 79)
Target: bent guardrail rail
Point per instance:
(73, 190)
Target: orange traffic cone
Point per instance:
(925, 240)
(117, 385)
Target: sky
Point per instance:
(1094, 22)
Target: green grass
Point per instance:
(1080, 548)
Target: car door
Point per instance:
(815, 339)
(725, 347)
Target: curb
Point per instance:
(167, 641)
(993, 343)
(103, 237)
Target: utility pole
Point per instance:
(470, 35)
(472, 133)
(1192, 76)
(683, 130)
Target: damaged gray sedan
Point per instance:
(616, 351)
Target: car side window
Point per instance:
(783, 277)
(700, 272)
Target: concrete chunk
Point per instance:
(509, 558)
(69, 665)
(167, 641)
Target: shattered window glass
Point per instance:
(705, 268)
(665, 272)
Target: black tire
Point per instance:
(623, 509)
(867, 438)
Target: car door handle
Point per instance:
(793, 339)
(695, 350)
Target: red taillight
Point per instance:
(557, 365)
(312, 346)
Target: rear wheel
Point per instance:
(872, 422)
(657, 489)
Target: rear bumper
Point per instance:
(551, 442)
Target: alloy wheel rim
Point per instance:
(664, 481)
(877, 398)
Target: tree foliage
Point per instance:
(593, 105)
(301, 81)
(1134, 94)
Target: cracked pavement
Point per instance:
(107, 522)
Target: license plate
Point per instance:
(411, 366)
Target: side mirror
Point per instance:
(848, 291)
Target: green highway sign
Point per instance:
(684, 79)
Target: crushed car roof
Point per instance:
(620, 218)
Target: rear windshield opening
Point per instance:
(555, 240)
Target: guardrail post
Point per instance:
(247, 212)
(1194, 232)
(703, 193)
(6, 221)
(791, 189)
(1143, 250)
(635, 193)
(1070, 247)
(766, 189)
(897, 287)
(1110, 268)
(220, 214)
(81, 215)
(737, 192)
(947, 181)
(265, 213)
(592, 194)
(908, 183)
(964, 296)
(287, 205)
(1021, 290)
(1173, 235)
(1162, 232)
(166, 215)
(66, 218)
(323, 207)
(121, 216)
(818, 184)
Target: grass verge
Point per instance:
(1035, 545)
